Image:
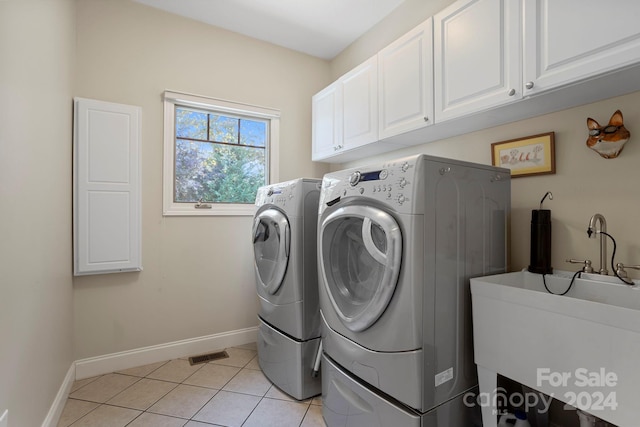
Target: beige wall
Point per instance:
(37, 53)
(198, 272)
(584, 182)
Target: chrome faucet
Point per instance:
(592, 231)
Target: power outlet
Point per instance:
(4, 419)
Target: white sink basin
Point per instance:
(582, 348)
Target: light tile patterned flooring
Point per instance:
(229, 392)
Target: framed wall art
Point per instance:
(531, 155)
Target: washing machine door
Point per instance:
(360, 260)
(271, 244)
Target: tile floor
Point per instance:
(229, 392)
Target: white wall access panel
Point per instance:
(107, 200)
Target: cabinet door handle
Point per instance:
(511, 92)
(426, 119)
(529, 85)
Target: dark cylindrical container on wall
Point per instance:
(540, 255)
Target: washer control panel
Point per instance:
(391, 182)
(277, 194)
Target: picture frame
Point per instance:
(531, 155)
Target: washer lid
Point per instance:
(271, 245)
(361, 252)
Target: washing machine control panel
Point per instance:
(275, 195)
(278, 194)
(391, 182)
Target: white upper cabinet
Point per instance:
(477, 65)
(345, 114)
(360, 104)
(572, 40)
(405, 82)
(326, 137)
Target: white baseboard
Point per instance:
(86, 368)
(90, 367)
(61, 399)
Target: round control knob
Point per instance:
(402, 183)
(354, 178)
(401, 199)
(270, 192)
(405, 166)
(383, 174)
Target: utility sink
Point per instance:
(582, 348)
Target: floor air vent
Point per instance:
(194, 360)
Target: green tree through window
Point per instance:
(218, 158)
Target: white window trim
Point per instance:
(170, 99)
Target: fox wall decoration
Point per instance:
(608, 140)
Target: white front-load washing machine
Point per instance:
(285, 260)
(397, 243)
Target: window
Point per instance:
(217, 154)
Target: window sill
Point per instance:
(221, 210)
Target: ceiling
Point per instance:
(321, 28)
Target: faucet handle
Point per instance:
(620, 269)
(587, 268)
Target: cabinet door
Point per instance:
(571, 40)
(107, 202)
(477, 61)
(405, 82)
(360, 104)
(326, 122)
